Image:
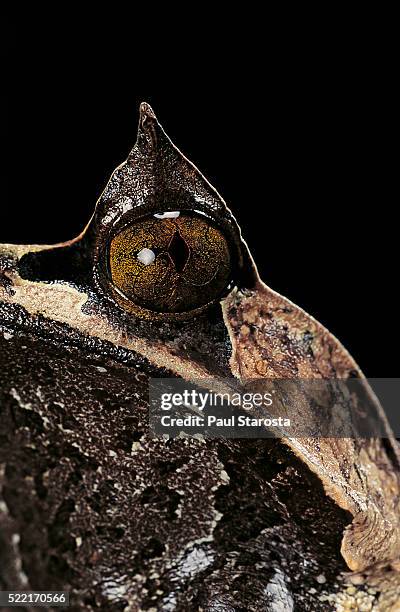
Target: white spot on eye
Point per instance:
(146, 256)
(172, 214)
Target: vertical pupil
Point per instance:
(178, 251)
(170, 265)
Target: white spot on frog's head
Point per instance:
(278, 594)
(146, 256)
(171, 214)
(194, 561)
(115, 590)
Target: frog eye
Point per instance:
(170, 262)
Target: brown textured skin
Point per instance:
(268, 338)
(59, 302)
(121, 519)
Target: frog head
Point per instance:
(161, 283)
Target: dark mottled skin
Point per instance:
(70, 473)
(91, 503)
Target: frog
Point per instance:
(161, 285)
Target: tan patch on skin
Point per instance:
(287, 343)
(62, 303)
(244, 330)
(379, 583)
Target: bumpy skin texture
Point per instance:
(119, 517)
(92, 504)
(273, 339)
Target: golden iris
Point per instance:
(172, 264)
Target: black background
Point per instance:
(301, 151)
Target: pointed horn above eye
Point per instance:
(149, 130)
(146, 111)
